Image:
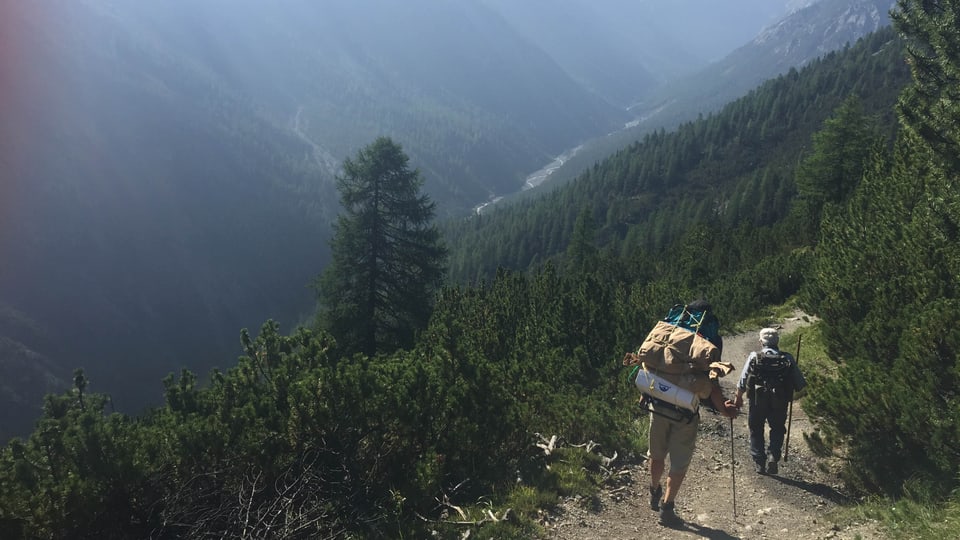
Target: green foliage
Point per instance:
(833, 169)
(815, 358)
(918, 517)
(886, 285)
(76, 475)
(542, 348)
(929, 106)
(388, 259)
(309, 443)
(581, 254)
(840, 149)
(527, 500)
(308, 436)
(730, 170)
(576, 472)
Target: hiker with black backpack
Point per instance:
(770, 378)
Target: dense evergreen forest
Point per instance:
(804, 189)
(733, 170)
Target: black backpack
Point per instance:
(770, 373)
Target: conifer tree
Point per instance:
(931, 105)
(581, 253)
(887, 288)
(388, 258)
(829, 175)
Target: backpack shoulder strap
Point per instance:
(753, 358)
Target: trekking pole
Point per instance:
(733, 471)
(786, 446)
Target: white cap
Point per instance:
(769, 337)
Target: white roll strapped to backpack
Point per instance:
(664, 390)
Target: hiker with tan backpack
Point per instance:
(677, 369)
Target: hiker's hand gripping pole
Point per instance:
(786, 445)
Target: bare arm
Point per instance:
(722, 404)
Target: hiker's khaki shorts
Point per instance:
(675, 438)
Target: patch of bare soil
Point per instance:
(791, 504)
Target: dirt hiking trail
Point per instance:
(791, 504)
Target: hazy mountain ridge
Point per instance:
(173, 168)
(624, 49)
(146, 227)
(471, 113)
(824, 27)
(810, 31)
(363, 70)
(159, 201)
(806, 34)
(25, 373)
(734, 170)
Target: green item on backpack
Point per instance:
(700, 320)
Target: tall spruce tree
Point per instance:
(388, 258)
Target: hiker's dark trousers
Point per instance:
(767, 408)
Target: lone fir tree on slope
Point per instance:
(388, 258)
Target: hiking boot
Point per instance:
(772, 467)
(668, 517)
(760, 467)
(655, 496)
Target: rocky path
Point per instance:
(792, 504)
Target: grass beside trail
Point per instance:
(907, 518)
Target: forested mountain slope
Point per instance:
(168, 166)
(514, 394)
(790, 43)
(729, 169)
(453, 82)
